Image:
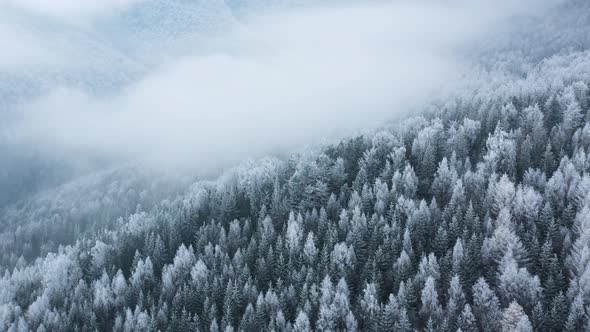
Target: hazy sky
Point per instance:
(271, 82)
(70, 10)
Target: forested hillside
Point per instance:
(473, 215)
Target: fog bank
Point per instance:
(272, 82)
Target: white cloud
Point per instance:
(273, 84)
(69, 10)
(24, 51)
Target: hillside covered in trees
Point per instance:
(472, 215)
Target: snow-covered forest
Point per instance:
(471, 214)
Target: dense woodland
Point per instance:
(473, 215)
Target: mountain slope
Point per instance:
(472, 215)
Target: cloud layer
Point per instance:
(271, 83)
(70, 10)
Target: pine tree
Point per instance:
(431, 308)
(486, 306)
(466, 321)
(455, 302)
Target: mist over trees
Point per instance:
(473, 215)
